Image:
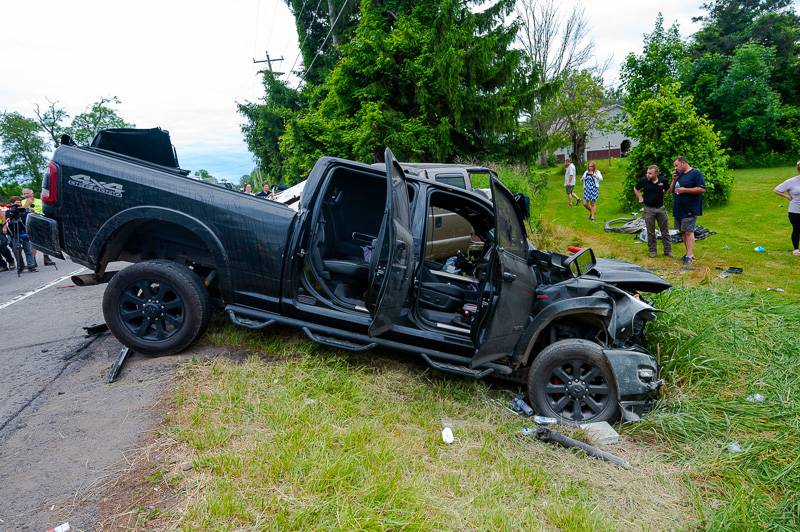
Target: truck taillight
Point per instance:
(50, 184)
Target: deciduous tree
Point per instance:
(22, 149)
(100, 115)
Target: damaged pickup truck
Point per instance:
(354, 266)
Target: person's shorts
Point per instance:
(569, 189)
(686, 225)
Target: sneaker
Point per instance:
(32, 270)
(12, 265)
(3, 269)
(653, 254)
(687, 260)
(49, 262)
(796, 253)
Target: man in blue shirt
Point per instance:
(688, 185)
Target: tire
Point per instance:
(156, 307)
(555, 391)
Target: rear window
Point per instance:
(454, 180)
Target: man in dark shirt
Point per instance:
(688, 185)
(264, 191)
(650, 192)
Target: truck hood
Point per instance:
(628, 276)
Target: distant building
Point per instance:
(603, 144)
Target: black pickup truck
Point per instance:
(351, 265)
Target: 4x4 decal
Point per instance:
(89, 183)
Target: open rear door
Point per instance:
(508, 295)
(392, 263)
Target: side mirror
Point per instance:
(581, 262)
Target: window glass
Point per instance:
(455, 180)
(512, 236)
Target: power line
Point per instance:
(300, 50)
(289, 38)
(319, 52)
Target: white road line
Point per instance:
(26, 295)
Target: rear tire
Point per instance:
(156, 307)
(573, 381)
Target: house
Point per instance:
(603, 144)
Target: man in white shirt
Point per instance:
(569, 182)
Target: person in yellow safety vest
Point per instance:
(35, 205)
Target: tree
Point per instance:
(266, 123)
(99, 116)
(667, 126)
(749, 110)
(51, 120)
(662, 61)
(22, 149)
(206, 176)
(578, 103)
(552, 47)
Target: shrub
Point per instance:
(668, 126)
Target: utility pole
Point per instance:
(269, 60)
(609, 155)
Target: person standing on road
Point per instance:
(591, 188)
(688, 185)
(650, 191)
(6, 257)
(14, 227)
(790, 189)
(569, 182)
(34, 204)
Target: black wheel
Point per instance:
(572, 380)
(156, 307)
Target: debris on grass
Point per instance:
(779, 290)
(601, 433)
(734, 447)
(552, 436)
(759, 249)
(447, 433)
(755, 398)
(519, 406)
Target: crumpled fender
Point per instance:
(631, 369)
(119, 221)
(599, 305)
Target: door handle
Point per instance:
(508, 276)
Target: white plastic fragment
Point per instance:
(779, 290)
(447, 435)
(755, 398)
(601, 433)
(64, 527)
(734, 447)
(544, 420)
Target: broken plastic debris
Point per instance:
(309, 401)
(759, 249)
(755, 398)
(779, 290)
(64, 527)
(734, 447)
(527, 431)
(518, 404)
(544, 420)
(447, 435)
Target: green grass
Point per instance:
(755, 216)
(301, 437)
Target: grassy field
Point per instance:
(755, 216)
(298, 436)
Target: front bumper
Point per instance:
(43, 234)
(637, 376)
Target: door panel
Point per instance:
(507, 300)
(392, 264)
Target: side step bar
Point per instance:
(351, 341)
(338, 343)
(464, 371)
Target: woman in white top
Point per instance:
(790, 189)
(591, 188)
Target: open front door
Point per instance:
(392, 263)
(508, 294)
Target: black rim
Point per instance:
(576, 390)
(151, 310)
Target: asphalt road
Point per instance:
(63, 429)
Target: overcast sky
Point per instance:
(183, 65)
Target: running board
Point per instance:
(463, 371)
(343, 339)
(248, 323)
(338, 343)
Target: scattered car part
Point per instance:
(551, 436)
(117, 367)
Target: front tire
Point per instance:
(573, 381)
(156, 307)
